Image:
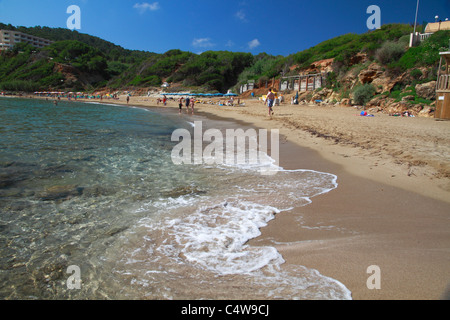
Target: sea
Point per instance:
(93, 207)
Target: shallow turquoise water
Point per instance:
(70, 176)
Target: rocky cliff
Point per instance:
(394, 94)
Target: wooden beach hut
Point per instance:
(443, 88)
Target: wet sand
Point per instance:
(363, 223)
(391, 208)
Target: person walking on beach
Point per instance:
(269, 99)
(164, 99)
(128, 99)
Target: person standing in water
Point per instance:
(188, 101)
(180, 103)
(192, 105)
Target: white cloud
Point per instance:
(229, 43)
(202, 42)
(142, 7)
(241, 15)
(254, 43)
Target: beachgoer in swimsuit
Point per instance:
(269, 100)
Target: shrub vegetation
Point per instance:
(363, 93)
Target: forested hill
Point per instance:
(79, 61)
(111, 50)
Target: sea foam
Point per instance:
(212, 232)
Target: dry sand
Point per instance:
(391, 208)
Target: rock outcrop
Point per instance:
(426, 90)
(372, 72)
(383, 82)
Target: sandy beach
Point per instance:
(391, 208)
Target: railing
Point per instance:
(443, 84)
(424, 36)
(416, 38)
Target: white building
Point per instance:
(9, 38)
(429, 30)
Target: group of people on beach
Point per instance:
(163, 100)
(188, 102)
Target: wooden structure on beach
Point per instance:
(307, 82)
(301, 82)
(443, 88)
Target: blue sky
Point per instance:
(275, 27)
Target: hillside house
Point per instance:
(431, 28)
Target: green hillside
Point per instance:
(209, 71)
(112, 51)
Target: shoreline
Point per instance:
(364, 222)
(379, 216)
(400, 225)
